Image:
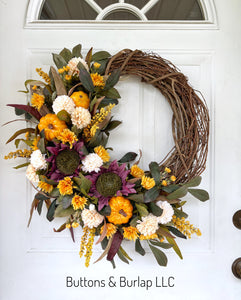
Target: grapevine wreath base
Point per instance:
(69, 163)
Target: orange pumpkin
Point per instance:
(121, 210)
(51, 125)
(81, 99)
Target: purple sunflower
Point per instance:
(64, 161)
(109, 182)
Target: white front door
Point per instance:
(35, 261)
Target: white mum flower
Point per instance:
(81, 117)
(92, 162)
(148, 225)
(91, 217)
(73, 65)
(31, 174)
(38, 161)
(167, 213)
(63, 103)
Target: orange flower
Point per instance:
(78, 202)
(102, 152)
(130, 233)
(65, 186)
(148, 237)
(67, 136)
(111, 229)
(37, 101)
(147, 182)
(46, 187)
(136, 171)
(98, 80)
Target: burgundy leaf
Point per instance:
(29, 109)
(116, 242)
(72, 233)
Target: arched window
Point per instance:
(122, 10)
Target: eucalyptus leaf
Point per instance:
(77, 51)
(136, 197)
(66, 201)
(179, 193)
(66, 54)
(176, 232)
(142, 209)
(175, 246)
(112, 79)
(51, 211)
(155, 209)
(201, 195)
(179, 213)
(159, 255)
(86, 80)
(194, 182)
(155, 171)
(112, 93)
(100, 55)
(160, 244)
(59, 61)
(105, 211)
(139, 249)
(41, 145)
(60, 212)
(39, 207)
(130, 156)
(106, 101)
(151, 195)
(122, 257)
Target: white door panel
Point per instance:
(35, 261)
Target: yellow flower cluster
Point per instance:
(111, 229)
(78, 202)
(102, 152)
(137, 172)
(67, 136)
(46, 187)
(65, 186)
(185, 227)
(75, 224)
(87, 245)
(18, 153)
(167, 181)
(97, 119)
(64, 69)
(97, 80)
(44, 75)
(148, 237)
(147, 182)
(130, 233)
(37, 101)
(68, 77)
(96, 65)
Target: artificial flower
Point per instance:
(78, 202)
(130, 233)
(31, 174)
(45, 187)
(37, 101)
(110, 230)
(103, 153)
(92, 163)
(63, 103)
(73, 65)
(91, 217)
(67, 136)
(38, 161)
(65, 186)
(147, 182)
(137, 171)
(167, 213)
(97, 80)
(148, 225)
(81, 117)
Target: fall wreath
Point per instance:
(69, 163)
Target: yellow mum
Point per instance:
(130, 233)
(148, 237)
(65, 186)
(167, 170)
(97, 65)
(164, 182)
(97, 80)
(46, 187)
(147, 182)
(37, 101)
(137, 172)
(102, 152)
(111, 229)
(173, 178)
(78, 202)
(67, 136)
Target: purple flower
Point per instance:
(64, 161)
(109, 182)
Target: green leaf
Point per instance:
(66, 201)
(179, 193)
(136, 197)
(88, 57)
(40, 197)
(106, 101)
(122, 257)
(176, 232)
(21, 131)
(22, 165)
(112, 79)
(201, 195)
(159, 255)
(125, 253)
(66, 54)
(112, 125)
(59, 61)
(61, 212)
(155, 209)
(64, 116)
(194, 182)
(112, 93)
(151, 195)
(142, 209)
(77, 51)
(86, 80)
(41, 145)
(138, 247)
(83, 182)
(155, 171)
(39, 207)
(170, 188)
(55, 192)
(100, 55)
(133, 221)
(175, 246)
(130, 156)
(160, 244)
(33, 82)
(51, 211)
(179, 213)
(105, 211)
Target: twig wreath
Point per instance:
(70, 166)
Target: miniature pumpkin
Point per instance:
(51, 125)
(121, 210)
(80, 99)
